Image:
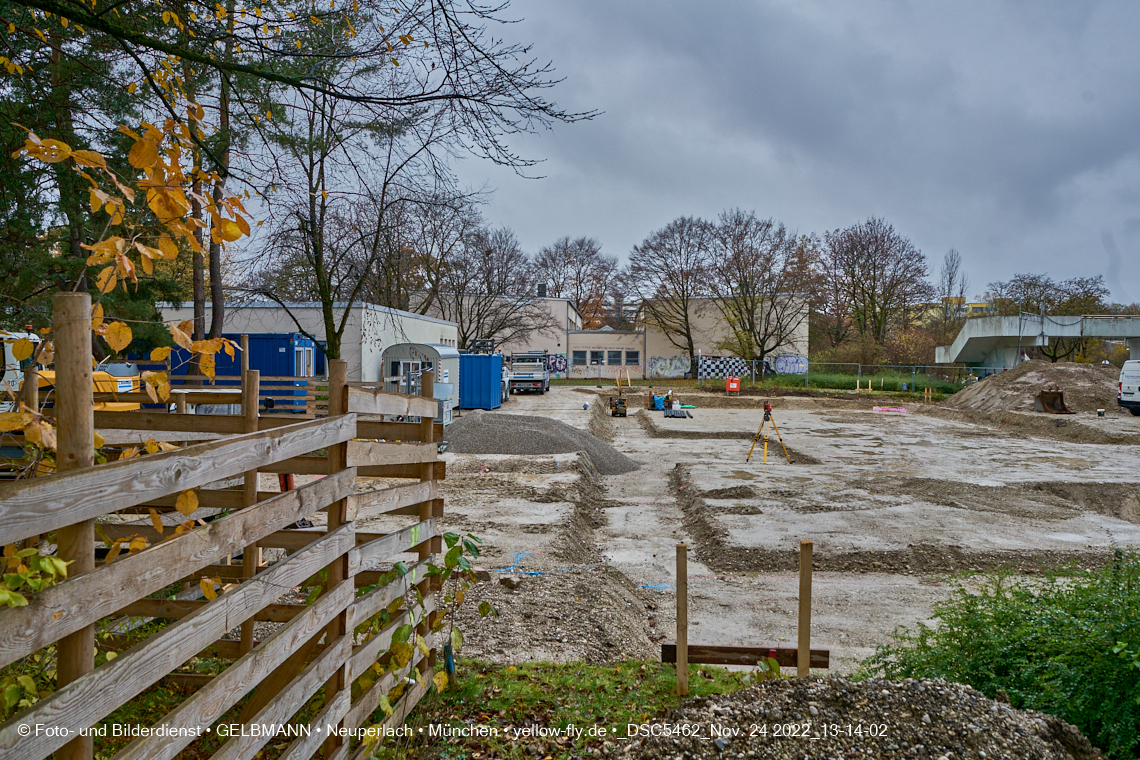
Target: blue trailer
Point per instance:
(480, 381)
(276, 355)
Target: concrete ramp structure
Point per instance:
(996, 343)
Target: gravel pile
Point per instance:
(899, 719)
(481, 433)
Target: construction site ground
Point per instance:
(581, 566)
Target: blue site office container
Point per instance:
(283, 355)
(480, 381)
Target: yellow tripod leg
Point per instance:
(765, 443)
(786, 454)
(754, 440)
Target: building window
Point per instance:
(579, 358)
(633, 357)
(597, 357)
(614, 357)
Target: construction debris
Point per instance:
(1088, 387)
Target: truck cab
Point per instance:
(530, 372)
(1128, 389)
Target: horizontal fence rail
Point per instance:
(159, 551)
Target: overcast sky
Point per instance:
(1007, 130)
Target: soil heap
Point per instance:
(1087, 387)
(899, 719)
(481, 433)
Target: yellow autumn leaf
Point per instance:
(105, 281)
(10, 421)
(89, 158)
(440, 681)
(132, 87)
(156, 521)
(130, 453)
(22, 349)
(206, 365)
(143, 155)
(116, 547)
(181, 338)
(118, 336)
(96, 316)
(42, 434)
(401, 654)
(168, 247)
(100, 441)
(186, 503)
(421, 644)
(151, 446)
(207, 586)
(53, 151)
(138, 543)
(160, 354)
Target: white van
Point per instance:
(1128, 390)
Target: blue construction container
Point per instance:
(480, 381)
(278, 355)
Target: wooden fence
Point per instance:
(314, 645)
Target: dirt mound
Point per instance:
(479, 432)
(1087, 387)
(894, 719)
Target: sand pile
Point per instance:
(481, 433)
(1087, 387)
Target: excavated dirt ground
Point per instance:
(581, 566)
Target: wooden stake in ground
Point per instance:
(75, 416)
(683, 619)
(803, 645)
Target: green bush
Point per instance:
(1065, 645)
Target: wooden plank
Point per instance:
(214, 498)
(178, 423)
(304, 465)
(40, 505)
(370, 401)
(717, 655)
(176, 609)
(365, 453)
(303, 747)
(228, 687)
(81, 600)
(385, 500)
(292, 540)
(86, 701)
(439, 471)
(213, 396)
(367, 556)
(393, 431)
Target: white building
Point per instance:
(370, 329)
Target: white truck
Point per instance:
(530, 372)
(1128, 389)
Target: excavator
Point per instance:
(618, 402)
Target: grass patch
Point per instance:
(549, 695)
(1068, 645)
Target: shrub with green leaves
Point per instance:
(1066, 645)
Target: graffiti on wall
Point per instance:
(674, 366)
(788, 364)
(556, 363)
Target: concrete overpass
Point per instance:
(994, 342)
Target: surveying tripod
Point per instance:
(763, 431)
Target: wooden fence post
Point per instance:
(337, 515)
(31, 387)
(251, 558)
(75, 417)
(427, 473)
(803, 645)
(244, 353)
(683, 619)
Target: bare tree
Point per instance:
(951, 289)
(577, 271)
(761, 277)
(883, 274)
(489, 290)
(669, 272)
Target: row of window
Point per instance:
(578, 358)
